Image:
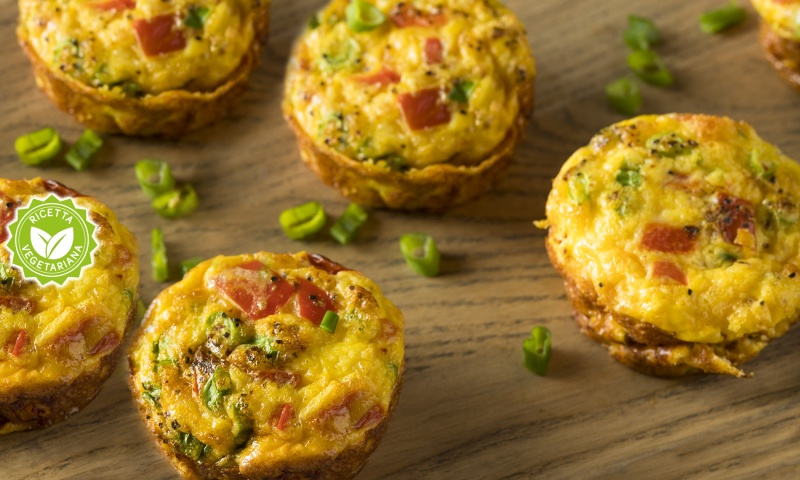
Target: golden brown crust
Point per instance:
(167, 114)
(783, 54)
(43, 407)
(436, 187)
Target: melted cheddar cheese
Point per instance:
(233, 370)
(782, 15)
(686, 222)
(138, 47)
(437, 81)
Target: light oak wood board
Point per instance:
(469, 409)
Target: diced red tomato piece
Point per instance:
(7, 209)
(257, 294)
(665, 269)
(666, 238)
(19, 344)
(384, 77)
(17, 304)
(405, 15)
(734, 214)
(253, 265)
(109, 341)
(373, 416)
(433, 51)
(424, 108)
(286, 415)
(324, 263)
(114, 5)
(160, 34)
(313, 301)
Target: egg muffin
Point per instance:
(238, 372)
(677, 237)
(60, 342)
(780, 37)
(410, 104)
(143, 67)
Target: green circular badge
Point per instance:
(52, 240)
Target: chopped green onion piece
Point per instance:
(81, 154)
(303, 220)
(641, 33)
(140, 310)
(313, 22)
(6, 275)
(189, 264)
(346, 227)
(461, 91)
(578, 188)
(38, 147)
(152, 393)
(329, 321)
(624, 96)
(343, 54)
(362, 16)
(177, 203)
(190, 446)
(629, 176)
(216, 388)
(420, 253)
(716, 21)
(649, 67)
(155, 177)
(224, 332)
(159, 263)
(537, 350)
(196, 18)
(668, 144)
(762, 167)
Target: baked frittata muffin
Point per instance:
(237, 374)
(143, 67)
(780, 37)
(59, 343)
(410, 104)
(677, 237)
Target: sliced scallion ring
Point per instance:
(420, 253)
(722, 19)
(81, 154)
(155, 177)
(537, 350)
(159, 262)
(649, 67)
(176, 203)
(303, 220)
(624, 96)
(362, 16)
(38, 147)
(329, 321)
(346, 227)
(341, 54)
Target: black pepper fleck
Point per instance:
(690, 291)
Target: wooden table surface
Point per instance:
(469, 410)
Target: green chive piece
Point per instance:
(190, 446)
(420, 253)
(189, 264)
(361, 16)
(649, 67)
(216, 388)
(537, 350)
(159, 263)
(342, 54)
(196, 17)
(624, 96)
(155, 177)
(303, 220)
(81, 154)
(313, 22)
(762, 167)
(578, 188)
(6, 275)
(722, 19)
(152, 393)
(39, 147)
(641, 33)
(347, 226)
(329, 321)
(668, 144)
(177, 203)
(461, 91)
(140, 310)
(629, 176)
(225, 332)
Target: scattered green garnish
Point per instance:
(347, 226)
(190, 446)
(578, 188)
(420, 253)
(313, 22)
(641, 33)
(537, 350)
(668, 144)
(196, 17)
(189, 264)
(155, 177)
(361, 16)
(39, 147)
(176, 203)
(81, 154)
(329, 321)
(341, 54)
(216, 388)
(624, 96)
(303, 220)
(722, 19)
(648, 66)
(461, 91)
(152, 393)
(159, 263)
(629, 176)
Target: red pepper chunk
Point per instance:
(666, 238)
(424, 108)
(17, 304)
(118, 5)
(664, 269)
(258, 296)
(286, 415)
(385, 77)
(404, 16)
(734, 214)
(7, 209)
(159, 34)
(324, 263)
(109, 341)
(433, 51)
(313, 301)
(19, 344)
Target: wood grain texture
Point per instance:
(469, 409)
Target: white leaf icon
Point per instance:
(39, 239)
(60, 244)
